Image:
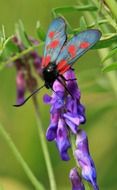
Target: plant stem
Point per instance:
(34, 181)
(65, 9)
(112, 4)
(21, 54)
(44, 147)
(111, 75)
(73, 146)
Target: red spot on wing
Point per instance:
(51, 34)
(72, 50)
(54, 44)
(46, 60)
(62, 66)
(84, 45)
(64, 69)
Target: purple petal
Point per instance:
(72, 105)
(72, 118)
(55, 118)
(72, 85)
(72, 126)
(57, 101)
(62, 140)
(81, 109)
(51, 132)
(47, 99)
(76, 180)
(52, 129)
(57, 86)
(37, 63)
(82, 142)
(21, 86)
(37, 60)
(69, 74)
(58, 104)
(84, 159)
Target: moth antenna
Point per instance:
(34, 92)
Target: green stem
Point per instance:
(19, 55)
(100, 22)
(44, 147)
(64, 9)
(73, 146)
(111, 75)
(34, 181)
(112, 4)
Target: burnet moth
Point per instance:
(60, 53)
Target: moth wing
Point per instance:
(76, 47)
(56, 37)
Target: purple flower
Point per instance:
(21, 86)
(76, 180)
(84, 159)
(25, 81)
(67, 113)
(62, 140)
(37, 62)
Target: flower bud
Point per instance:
(62, 140)
(85, 161)
(76, 180)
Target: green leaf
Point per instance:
(2, 38)
(83, 24)
(111, 53)
(106, 42)
(94, 24)
(18, 55)
(40, 32)
(21, 33)
(9, 49)
(87, 186)
(111, 67)
(65, 9)
(2, 35)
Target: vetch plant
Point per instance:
(67, 113)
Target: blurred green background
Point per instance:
(97, 95)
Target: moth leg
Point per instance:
(65, 87)
(67, 79)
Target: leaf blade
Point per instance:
(104, 43)
(22, 35)
(111, 53)
(111, 67)
(40, 32)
